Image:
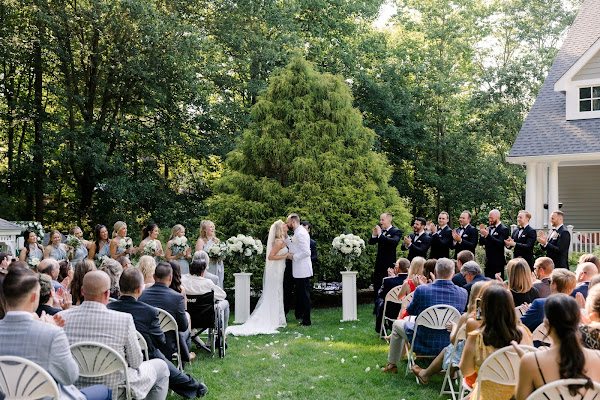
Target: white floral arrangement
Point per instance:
(33, 226)
(125, 243)
(218, 251)
(150, 248)
(34, 262)
(243, 249)
(99, 259)
(179, 244)
(73, 241)
(348, 247)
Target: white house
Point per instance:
(559, 142)
(8, 236)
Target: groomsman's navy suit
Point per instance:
(393, 309)
(557, 248)
(469, 240)
(387, 242)
(441, 241)
(494, 250)
(524, 244)
(418, 247)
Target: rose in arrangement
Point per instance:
(242, 250)
(348, 247)
(73, 241)
(218, 251)
(125, 243)
(179, 244)
(34, 262)
(99, 259)
(149, 248)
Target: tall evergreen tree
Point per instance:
(307, 151)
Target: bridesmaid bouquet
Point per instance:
(217, 251)
(99, 259)
(73, 241)
(150, 248)
(126, 243)
(348, 247)
(243, 249)
(34, 262)
(179, 244)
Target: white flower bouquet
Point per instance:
(149, 248)
(179, 244)
(126, 243)
(243, 249)
(34, 262)
(348, 247)
(99, 259)
(217, 251)
(73, 241)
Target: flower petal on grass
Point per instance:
(367, 369)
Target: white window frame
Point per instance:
(572, 100)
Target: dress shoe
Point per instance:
(390, 369)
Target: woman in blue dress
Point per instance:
(32, 249)
(150, 238)
(176, 253)
(116, 247)
(205, 241)
(101, 244)
(56, 249)
(82, 251)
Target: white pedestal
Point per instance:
(349, 296)
(242, 297)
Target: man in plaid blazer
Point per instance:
(93, 322)
(428, 341)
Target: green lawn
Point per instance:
(330, 360)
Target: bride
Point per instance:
(268, 314)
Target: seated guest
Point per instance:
(415, 270)
(114, 270)
(429, 268)
(40, 341)
(397, 277)
(428, 341)
(5, 260)
(125, 262)
(498, 329)
(202, 255)
(462, 258)
(566, 358)
(146, 265)
(589, 258)
(47, 294)
(590, 333)
(50, 267)
(196, 283)
(520, 282)
(472, 273)
(145, 317)
(561, 281)
(585, 272)
(65, 274)
(93, 322)
(81, 269)
(543, 268)
(161, 296)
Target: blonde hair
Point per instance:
(147, 265)
(117, 227)
(73, 229)
(279, 229)
(564, 279)
(519, 275)
(474, 295)
(417, 265)
(175, 230)
(113, 269)
(204, 224)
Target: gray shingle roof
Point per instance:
(6, 225)
(545, 130)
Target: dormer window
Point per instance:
(589, 98)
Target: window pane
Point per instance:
(596, 105)
(585, 93)
(596, 91)
(585, 105)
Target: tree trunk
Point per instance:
(38, 151)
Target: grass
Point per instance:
(329, 360)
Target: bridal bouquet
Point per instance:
(243, 249)
(125, 243)
(149, 248)
(179, 244)
(73, 241)
(217, 251)
(348, 247)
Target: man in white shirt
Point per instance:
(301, 266)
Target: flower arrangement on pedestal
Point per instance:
(242, 250)
(349, 248)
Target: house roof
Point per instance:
(9, 226)
(546, 130)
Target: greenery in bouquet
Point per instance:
(348, 247)
(242, 250)
(218, 251)
(149, 248)
(73, 241)
(179, 244)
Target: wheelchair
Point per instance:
(208, 329)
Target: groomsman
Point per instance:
(387, 237)
(417, 243)
(465, 236)
(557, 242)
(523, 239)
(441, 239)
(493, 238)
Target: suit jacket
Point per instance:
(419, 247)
(543, 287)
(469, 240)
(494, 248)
(386, 253)
(441, 241)
(534, 316)
(389, 283)
(558, 248)
(44, 344)
(524, 244)
(581, 288)
(300, 248)
(441, 291)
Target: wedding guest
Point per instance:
(32, 249)
(465, 236)
(47, 293)
(557, 242)
(202, 255)
(387, 237)
(207, 238)
(585, 272)
(176, 284)
(50, 267)
(101, 244)
(499, 327)
(5, 260)
(566, 358)
(150, 245)
(429, 268)
(146, 265)
(56, 249)
(590, 332)
(441, 238)
(493, 238)
(117, 242)
(523, 239)
(81, 252)
(397, 277)
(461, 259)
(418, 242)
(125, 262)
(65, 274)
(114, 270)
(417, 266)
(543, 268)
(177, 254)
(589, 258)
(472, 273)
(520, 282)
(81, 269)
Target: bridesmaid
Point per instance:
(181, 257)
(150, 234)
(56, 249)
(207, 238)
(119, 233)
(80, 252)
(101, 244)
(32, 248)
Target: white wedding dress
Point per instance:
(268, 314)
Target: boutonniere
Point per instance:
(293, 239)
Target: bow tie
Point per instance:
(492, 226)
(521, 228)
(384, 231)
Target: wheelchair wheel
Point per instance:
(220, 339)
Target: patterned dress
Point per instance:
(215, 267)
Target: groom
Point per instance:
(299, 253)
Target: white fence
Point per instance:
(584, 241)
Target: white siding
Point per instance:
(590, 71)
(579, 191)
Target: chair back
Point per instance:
(436, 317)
(392, 295)
(24, 379)
(143, 345)
(201, 308)
(406, 301)
(166, 321)
(559, 390)
(540, 334)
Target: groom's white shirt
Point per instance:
(300, 248)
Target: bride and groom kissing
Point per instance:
(269, 315)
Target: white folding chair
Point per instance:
(392, 297)
(24, 379)
(559, 390)
(541, 334)
(434, 317)
(143, 345)
(406, 301)
(520, 311)
(460, 335)
(502, 366)
(167, 324)
(96, 360)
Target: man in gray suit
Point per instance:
(40, 341)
